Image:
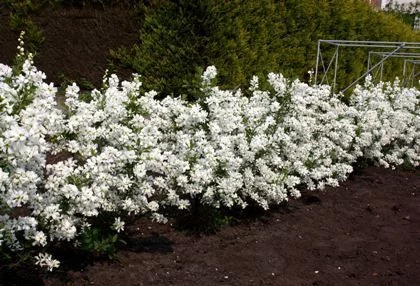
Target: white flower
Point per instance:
(39, 239)
(45, 260)
(118, 224)
(209, 74)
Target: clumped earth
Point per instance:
(365, 232)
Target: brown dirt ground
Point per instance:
(77, 40)
(8, 39)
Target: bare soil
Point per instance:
(76, 42)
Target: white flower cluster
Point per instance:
(388, 123)
(129, 153)
(46, 260)
(28, 117)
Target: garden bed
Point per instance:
(138, 155)
(366, 232)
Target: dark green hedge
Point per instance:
(242, 38)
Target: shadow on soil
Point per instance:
(151, 244)
(72, 259)
(203, 221)
(20, 276)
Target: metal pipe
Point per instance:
(369, 42)
(408, 55)
(335, 68)
(368, 64)
(317, 62)
(382, 69)
(413, 74)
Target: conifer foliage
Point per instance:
(246, 38)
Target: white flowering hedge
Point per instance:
(129, 153)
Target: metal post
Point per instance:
(382, 69)
(317, 62)
(414, 72)
(368, 65)
(404, 71)
(335, 68)
(405, 62)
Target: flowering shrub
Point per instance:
(130, 154)
(28, 117)
(388, 123)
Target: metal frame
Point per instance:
(403, 56)
(413, 74)
(390, 49)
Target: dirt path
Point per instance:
(366, 232)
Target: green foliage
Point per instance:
(25, 7)
(95, 241)
(180, 38)
(34, 34)
(170, 45)
(5, 254)
(100, 239)
(202, 218)
(100, 3)
(243, 38)
(20, 20)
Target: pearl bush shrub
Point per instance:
(130, 154)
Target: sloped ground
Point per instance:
(366, 232)
(8, 39)
(77, 41)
